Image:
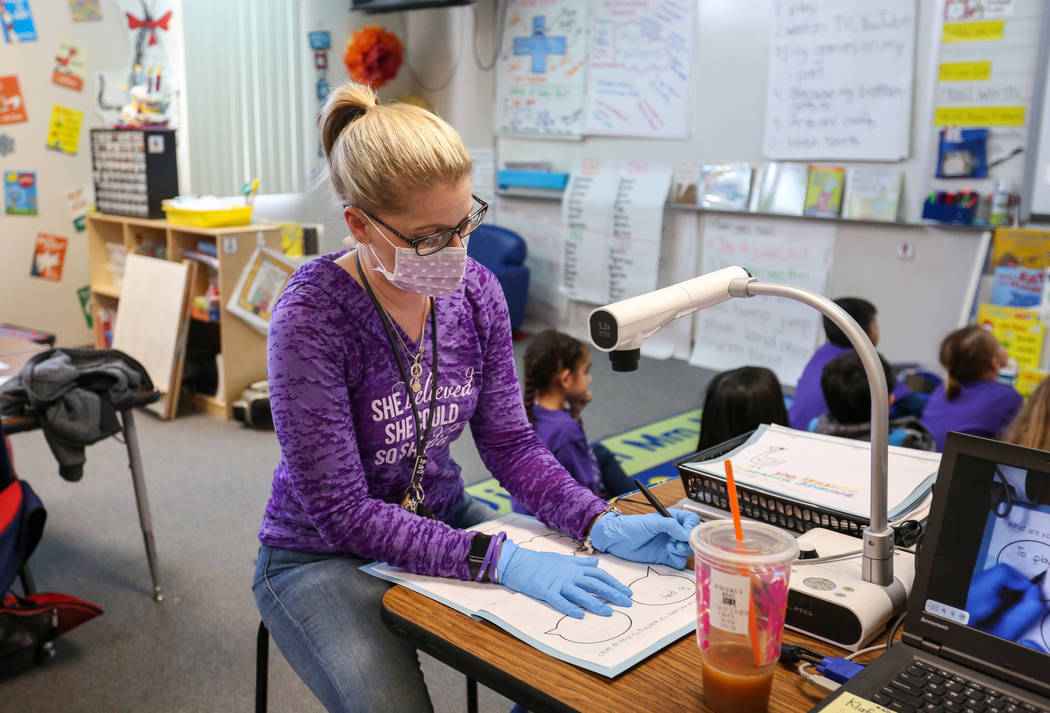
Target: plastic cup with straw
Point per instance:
(742, 571)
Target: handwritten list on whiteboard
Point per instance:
(612, 214)
(773, 332)
(639, 68)
(541, 80)
(840, 80)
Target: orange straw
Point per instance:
(734, 507)
(734, 504)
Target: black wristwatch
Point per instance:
(478, 547)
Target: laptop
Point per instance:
(977, 635)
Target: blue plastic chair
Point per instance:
(503, 252)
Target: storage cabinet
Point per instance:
(243, 349)
(134, 170)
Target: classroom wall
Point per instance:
(47, 305)
(920, 298)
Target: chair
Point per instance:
(503, 252)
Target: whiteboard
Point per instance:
(840, 80)
(150, 315)
(1038, 170)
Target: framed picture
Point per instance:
(260, 284)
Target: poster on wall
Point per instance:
(541, 80)
(78, 200)
(776, 333)
(149, 65)
(639, 69)
(840, 80)
(17, 20)
(49, 255)
(20, 193)
(63, 133)
(69, 66)
(12, 105)
(85, 10)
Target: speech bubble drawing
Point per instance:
(554, 542)
(657, 589)
(1030, 558)
(592, 629)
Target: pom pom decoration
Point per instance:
(373, 56)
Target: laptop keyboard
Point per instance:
(927, 689)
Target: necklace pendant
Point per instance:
(416, 370)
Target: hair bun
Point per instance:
(343, 106)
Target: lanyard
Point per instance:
(413, 500)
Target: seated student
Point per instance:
(1031, 428)
(971, 399)
(738, 401)
(557, 372)
(848, 394)
(808, 402)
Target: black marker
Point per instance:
(652, 498)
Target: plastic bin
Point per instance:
(232, 215)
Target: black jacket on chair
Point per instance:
(71, 393)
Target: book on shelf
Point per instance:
(872, 193)
(725, 186)
(1015, 247)
(824, 191)
(684, 182)
(663, 605)
(780, 188)
(1019, 287)
(1019, 329)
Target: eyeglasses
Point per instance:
(430, 244)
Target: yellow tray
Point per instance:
(234, 215)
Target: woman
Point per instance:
(389, 351)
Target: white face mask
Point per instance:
(433, 275)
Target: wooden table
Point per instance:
(668, 681)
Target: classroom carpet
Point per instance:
(648, 453)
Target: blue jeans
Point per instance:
(323, 613)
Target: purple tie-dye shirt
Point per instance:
(346, 430)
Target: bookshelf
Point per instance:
(111, 237)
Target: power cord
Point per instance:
(499, 11)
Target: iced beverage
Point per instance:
(741, 596)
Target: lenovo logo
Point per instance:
(931, 622)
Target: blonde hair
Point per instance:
(1031, 428)
(966, 353)
(379, 156)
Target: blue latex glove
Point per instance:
(569, 584)
(1004, 602)
(646, 538)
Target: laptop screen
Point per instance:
(984, 566)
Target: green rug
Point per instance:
(648, 453)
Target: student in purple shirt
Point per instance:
(971, 399)
(557, 372)
(378, 358)
(808, 402)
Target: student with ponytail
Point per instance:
(557, 373)
(378, 358)
(971, 399)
